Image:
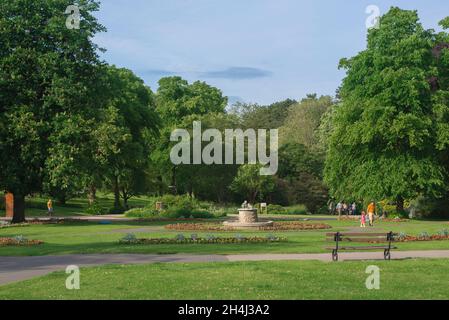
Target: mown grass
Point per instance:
(37, 206)
(93, 237)
(408, 279)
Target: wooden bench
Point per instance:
(385, 239)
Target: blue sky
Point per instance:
(253, 50)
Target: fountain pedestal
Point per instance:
(248, 219)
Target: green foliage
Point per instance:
(276, 209)
(383, 141)
(176, 99)
(251, 184)
(46, 87)
(263, 117)
(175, 207)
(301, 125)
(296, 209)
(96, 209)
(444, 23)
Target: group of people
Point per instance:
(345, 208)
(351, 209)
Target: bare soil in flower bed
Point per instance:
(277, 226)
(209, 240)
(14, 242)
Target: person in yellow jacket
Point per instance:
(371, 211)
(50, 207)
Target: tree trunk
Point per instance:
(19, 209)
(126, 197)
(173, 181)
(117, 204)
(62, 199)
(92, 194)
(399, 204)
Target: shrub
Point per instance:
(298, 209)
(175, 207)
(424, 235)
(116, 210)
(276, 209)
(130, 238)
(142, 213)
(184, 213)
(95, 209)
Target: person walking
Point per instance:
(339, 208)
(50, 207)
(353, 208)
(363, 220)
(331, 207)
(345, 208)
(371, 211)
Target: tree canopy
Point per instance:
(384, 136)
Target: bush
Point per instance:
(183, 213)
(298, 209)
(175, 207)
(95, 209)
(142, 213)
(115, 210)
(179, 202)
(276, 209)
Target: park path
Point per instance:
(21, 268)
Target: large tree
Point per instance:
(125, 132)
(176, 101)
(303, 120)
(47, 81)
(384, 132)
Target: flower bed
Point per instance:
(18, 241)
(292, 226)
(193, 239)
(379, 219)
(198, 227)
(277, 226)
(4, 226)
(422, 237)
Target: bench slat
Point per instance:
(361, 234)
(360, 248)
(358, 239)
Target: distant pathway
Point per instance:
(21, 268)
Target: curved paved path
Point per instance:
(21, 268)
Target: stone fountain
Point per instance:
(248, 219)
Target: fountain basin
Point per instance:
(248, 219)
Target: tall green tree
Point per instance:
(257, 116)
(47, 83)
(303, 120)
(176, 101)
(383, 144)
(125, 134)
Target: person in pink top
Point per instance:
(363, 220)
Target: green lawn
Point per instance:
(408, 279)
(92, 237)
(37, 206)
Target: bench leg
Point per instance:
(334, 255)
(387, 255)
